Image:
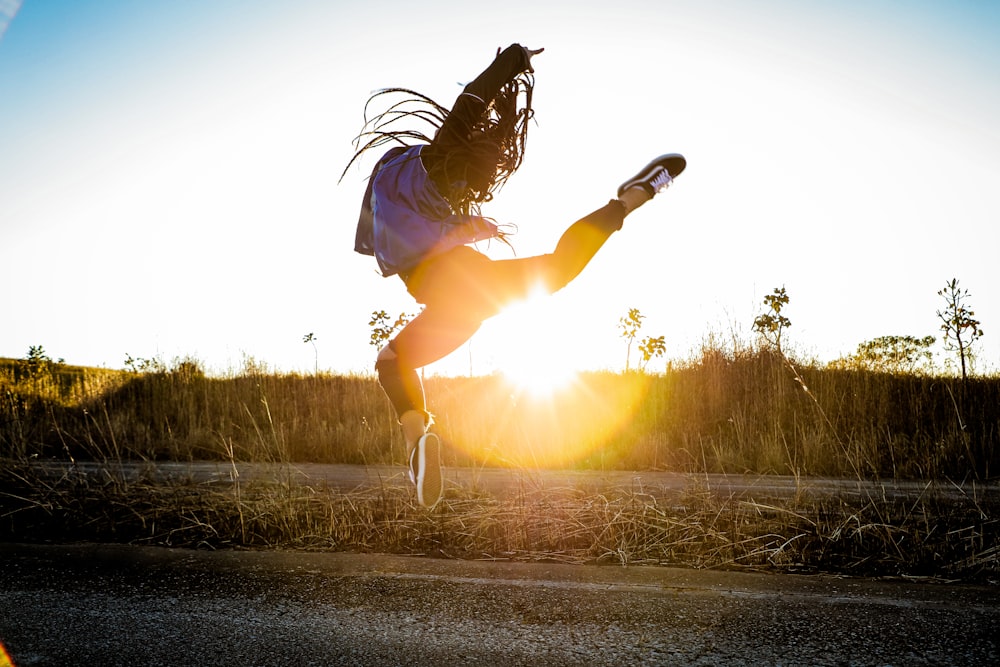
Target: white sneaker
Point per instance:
(425, 470)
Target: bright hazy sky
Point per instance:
(168, 172)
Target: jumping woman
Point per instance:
(421, 212)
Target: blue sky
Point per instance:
(169, 172)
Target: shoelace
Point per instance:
(661, 182)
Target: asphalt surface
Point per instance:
(127, 605)
(502, 482)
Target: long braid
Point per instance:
(376, 133)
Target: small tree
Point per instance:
(652, 347)
(772, 324)
(311, 338)
(958, 323)
(891, 354)
(649, 346)
(37, 362)
(629, 325)
(382, 330)
(141, 365)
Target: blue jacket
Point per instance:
(404, 220)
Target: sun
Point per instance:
(539, 379)
(544, 406)
(530, 349)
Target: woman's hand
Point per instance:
(530, 53)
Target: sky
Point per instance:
(169, 173)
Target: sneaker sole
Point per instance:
(430, 481)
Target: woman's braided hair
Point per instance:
(467, 169)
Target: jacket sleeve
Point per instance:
(479, 94)
(507, 65)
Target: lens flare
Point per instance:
(497, 423)
(529, 348)
(538, 381)
(537, 409)
(5, 659)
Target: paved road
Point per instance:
(500, 481)
(120, 605)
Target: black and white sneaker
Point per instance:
(425, 470)
(657, 175)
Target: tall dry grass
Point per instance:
(734, 413)
(720, 412)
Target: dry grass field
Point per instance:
(755, 413)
